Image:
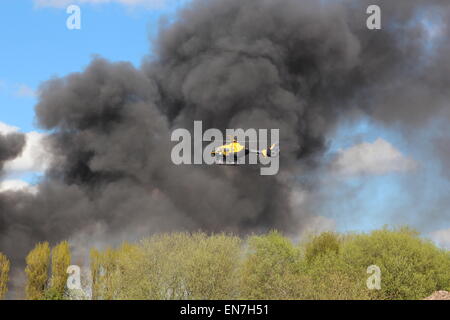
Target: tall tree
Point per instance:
(4, 271)
(38, 261)
(95, 273)
(60, 263)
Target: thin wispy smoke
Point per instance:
(297, 66)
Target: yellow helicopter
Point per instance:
(230, 153)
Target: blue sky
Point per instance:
(36, 45)
(394, 198)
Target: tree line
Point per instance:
(224, 266)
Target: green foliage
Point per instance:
(333, 278)
(104, 270)
(411, 267)
(212, 267)
(38, 286)
(95, 273)
(271, 269)
(38, 261)
(4, 274)
(53, 294)
(60, 263)
(169, 266)
(322, 244)
(271, 266)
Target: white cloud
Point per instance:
(24, 91)
(34, 157)
(376, 158)
(441, 237)
(65, 3)
(6, 128)
(18, 90)
(16, 185)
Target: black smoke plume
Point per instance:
(299, 66)
(11, 146)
